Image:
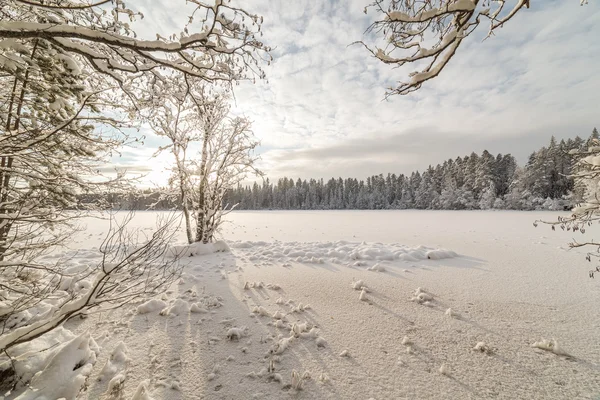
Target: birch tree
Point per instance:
(213, 153)
(230, 159)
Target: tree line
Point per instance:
(472, 182)
(476, 181)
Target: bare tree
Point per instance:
(60, 62)
(229, 160)
(427, 33)
(198, 116)
(172, 116)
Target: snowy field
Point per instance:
(327, 305)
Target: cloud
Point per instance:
(321, 112)
(400, 154)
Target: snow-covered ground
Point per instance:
(360, 305)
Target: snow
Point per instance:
(115, 365)
(508, 291)
(66, 372)
(151, 306)
(198, 249)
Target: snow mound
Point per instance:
(151, 306)
(482, 347)
(357, 254)
(377, 268)
(551, 346)
(260, 310)
(198, 249)
(444, 370)
(31, 357)
(363, 295)
(440, 254)
(141, 392)
(422, 297)
(117, 362)
(236, 333)
(66, 372)
(198, 308)
(358, 285)
(179, 307)
(451, 313)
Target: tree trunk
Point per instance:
(7, 160)
(201, 217)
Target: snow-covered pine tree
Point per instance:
(484, 175)
(586, 173)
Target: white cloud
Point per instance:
(322, 112)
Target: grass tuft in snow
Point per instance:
(296, 380)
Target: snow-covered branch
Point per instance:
(224, 46)
(428, 33)
(131, 266)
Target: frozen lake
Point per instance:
(510, 285)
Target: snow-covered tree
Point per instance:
(488, 197)
(586, 173)
(194, 115)
(428, 33)
(60, 63)
(227, 159)
(50, 147)
(72, 73)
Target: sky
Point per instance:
(322, 110)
